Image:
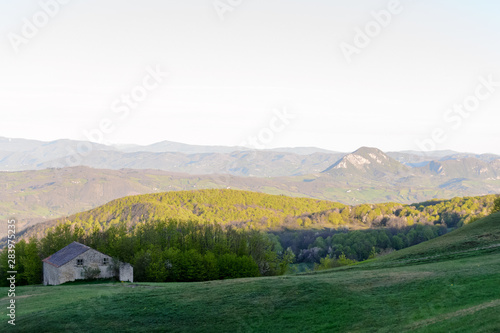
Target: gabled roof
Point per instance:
(66, 254)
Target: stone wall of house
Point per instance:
(50, 274)
(93, 259)
(67, 273)
(126, 272)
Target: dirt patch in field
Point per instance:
(141, 286)
(18, 297)
(421, 259)
(459, 313)
(389, 279)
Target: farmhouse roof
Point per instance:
(66, 254)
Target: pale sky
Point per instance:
(227, 77)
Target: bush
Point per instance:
(326, 263)
(114, 267)
(344, 261)
(91, 273)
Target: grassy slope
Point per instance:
(442, 294)
(480, 236)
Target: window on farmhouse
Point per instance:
(79, 262)
(105, 261)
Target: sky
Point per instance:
(338, 75)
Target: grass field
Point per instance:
(448, 284)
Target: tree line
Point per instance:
(162, 251)
(312, 246)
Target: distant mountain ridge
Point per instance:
(22, 154)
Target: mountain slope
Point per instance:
(20, 154)
(464, 168)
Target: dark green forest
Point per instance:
(311, 246)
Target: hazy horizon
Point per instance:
(122, 145)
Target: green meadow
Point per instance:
(448, 284)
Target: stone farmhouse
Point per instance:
(69, 264)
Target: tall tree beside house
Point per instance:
(31, 262)
(59, 237)
(4, 268)
(28, 263)
(114, 267)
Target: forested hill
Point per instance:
(251, 210)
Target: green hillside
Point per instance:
(480, 236)
(451, 293)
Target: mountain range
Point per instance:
(22, 154)
(44, 180)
